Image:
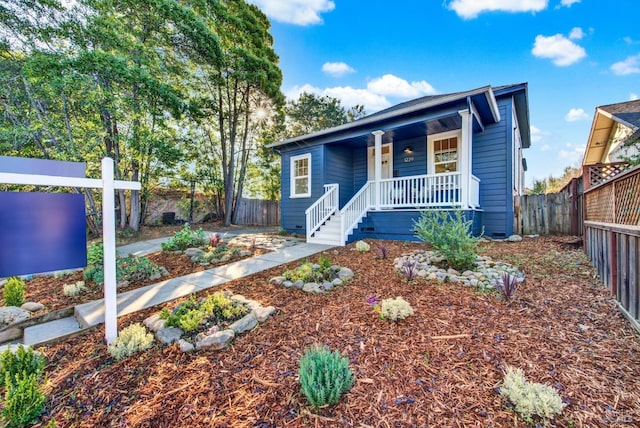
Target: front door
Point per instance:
(387, 162)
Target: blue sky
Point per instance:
(574, 54)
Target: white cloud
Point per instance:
(568, 3)
(576, 114)
(633, 96)
(630, 65)
(469, 9)
(395, 86)
(545, 148)
(559, 49)
(298, 12)
(347, 95)
(537, 134)
(572, 157)
(576, 33)
(337, 69)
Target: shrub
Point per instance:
(449, 235)
(507, 284)
(131, 340)
(13, 292)
(528, 398)
(307, 272)
(95, 254)
(362, 247)
(189, 315)
(395, 309)
(383, 251)
(71, 290)
(23, 360)
(185, 238)
(324, 375)
(409, 269)
(131, 268)
(215, 239)
(23, 400)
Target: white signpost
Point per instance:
(108, 184)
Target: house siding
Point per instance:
(492, 165)
(408, 164)
(339, 169)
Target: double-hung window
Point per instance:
(445, 155)
(301, 176)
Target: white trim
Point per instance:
(371, 165)
(292, 178)
(431, 167)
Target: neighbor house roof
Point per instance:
(485, 95)
(606, 116)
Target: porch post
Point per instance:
(465, 157)
(378, 165)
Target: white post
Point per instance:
(109, 243)
(377, 153)
(465, 157)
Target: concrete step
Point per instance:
(51, 331)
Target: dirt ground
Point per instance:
(440, 367)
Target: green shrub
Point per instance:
(23, 400)
(450, 237)
(13, 292)
(191, 320)
(189, 315)
(74, 289)
(324, 375)
(395, 309)
(528, 398)
(131, 268)
(23, 360)
(307, 272)
(362, 247)
(131, 340)
(95, 254)
(185, 238)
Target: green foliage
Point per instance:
(395, 309)
(13, 292)
(308, 272)
(185, 238)
(131, 268)
(190, 315)
(132, 339)
(22, 372)
(362, 247)
(23, 400)
(530, 399)
(449, 235)
(324, 375)
(74, 289)
(95, 254)
(312, 112)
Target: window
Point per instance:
(301, 176)
(445, 155)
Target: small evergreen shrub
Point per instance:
(324, 375)
(131, 340)
(95, 254)
(131, 268)
(23, 400)
(362, 247)
(395, 309)
(13, 292)
(530, 399)
(23, 360)
(450, 237)
(74, 289)
(185, 238)
(190, 315)
(308, 272)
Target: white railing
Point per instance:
(355, 209)
(422, 191)
(474, 192)
(323, 208)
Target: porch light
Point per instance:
(408, 150)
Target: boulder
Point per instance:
(312, 287)
(246, 323)
(185, 346)
(169, 335)
(345, 274)
(154, 323)
(263, 313)
(277, 280)
(12, 314)
(194, 253)
(217, 340)
(514, 238)
(32, 306)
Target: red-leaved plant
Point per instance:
(507, 284)
(215, 240)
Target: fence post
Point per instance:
(109, 244)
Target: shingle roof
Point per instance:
(628, 111)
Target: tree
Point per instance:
(552, 184)
(310, 113)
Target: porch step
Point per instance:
(51, 331)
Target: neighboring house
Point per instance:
(613, 125)
(371, 177)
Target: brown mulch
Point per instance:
(440, 367)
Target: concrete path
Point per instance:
(92, 313)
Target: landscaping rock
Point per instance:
(155, 276)
(217, 340)
(514, 238)
(246, 323)
(278, 280)
(298, 284)
(337, 282)
(169, 335)
(154, 323)
(12, 314)
(327, 285)
(287, 284)
(312, 287)
(245, 253)
(225, 258)
(185, 346)
(194, 253)
(32, 306)
(164, 271)
(122, 283)
(345, 274)
(262, 313)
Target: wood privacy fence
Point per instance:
(552, 213)
(612, 238)
(256, 212)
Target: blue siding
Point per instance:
(418, 165)
(492, 165)
(339, 169)
(293, 218)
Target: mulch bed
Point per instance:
(439, 367)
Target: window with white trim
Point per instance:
(444, 152)
(301, 176)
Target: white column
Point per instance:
(109, 243)
(378, 165)
(465, 151)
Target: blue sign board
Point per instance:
(41, 232)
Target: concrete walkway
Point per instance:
(92, 313)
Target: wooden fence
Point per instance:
(612, 238)
(256, 212)
(552, 213)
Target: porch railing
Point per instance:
(423, 191)
(356, 208)
(323, 208)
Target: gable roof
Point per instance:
(484, 95)
(626, 113)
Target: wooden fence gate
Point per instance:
(256, 212)
(552, 213)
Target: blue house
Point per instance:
(371, 177)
